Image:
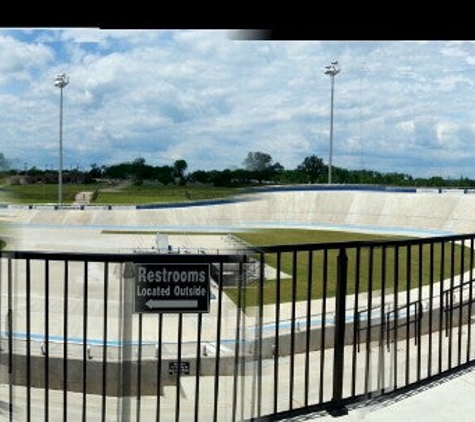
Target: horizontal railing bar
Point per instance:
(122, 258)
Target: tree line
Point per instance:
(257, 168)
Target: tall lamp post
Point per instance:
(332, 70)
(61, 81)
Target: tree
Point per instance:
(257, 161)
(96, 171)
(139, 162)
(34, 171)
(223, 178)
(313, 168)
(139, 170)
(163, 174)
(179, 168)
(200, 176)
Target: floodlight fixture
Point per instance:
(61, 81)
(331, 70)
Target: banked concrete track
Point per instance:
(388, 211)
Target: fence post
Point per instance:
(126, 389)
(337, 407)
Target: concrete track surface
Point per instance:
(447, 212)
(420, 214)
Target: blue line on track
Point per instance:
(239, 227)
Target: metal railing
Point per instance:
(322, 326)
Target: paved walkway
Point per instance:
(449, 399)
(83, 198)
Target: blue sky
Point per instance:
(207, 98)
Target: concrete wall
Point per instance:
(122, 377)
(453, 212)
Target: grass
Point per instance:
(399, 270)
(295, 236)
(120, 195)
(161, 194)
(153, 233)
(45, 193)
(273, 236)
(324, 264)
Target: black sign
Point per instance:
(172, 288)
(184, 368)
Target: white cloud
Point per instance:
(406, 126)
(18, 58)
(202, 96)
(446, 132)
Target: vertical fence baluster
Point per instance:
(451, 313)
(369, 307)
(461, 302)
(65, 340)
(244, 366)
(355, 322)
(178, 373)
(408, 311)
(242, 280)
(337, 407)
(10, 338)
(84, 342)
(198, 365)
(309, 325)
(218, 343)
(324, 324)
(470, 301)
(277, 333)
(381, 364)
(420, 314)
(442, 306)
(237, 344)
(159, 365)
(28, 340)
(431, 306)
(395, 320)
(240, 310)
(260, 333)
(104, 343)
(139, 370)
(292, 330)
(46, 342)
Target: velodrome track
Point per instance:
(424, 212)
(416, 213)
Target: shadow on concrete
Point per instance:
(373, 403)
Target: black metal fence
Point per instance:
(321, 326)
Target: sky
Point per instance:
(210, 97)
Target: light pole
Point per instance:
(60, 82)
(332, 70)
